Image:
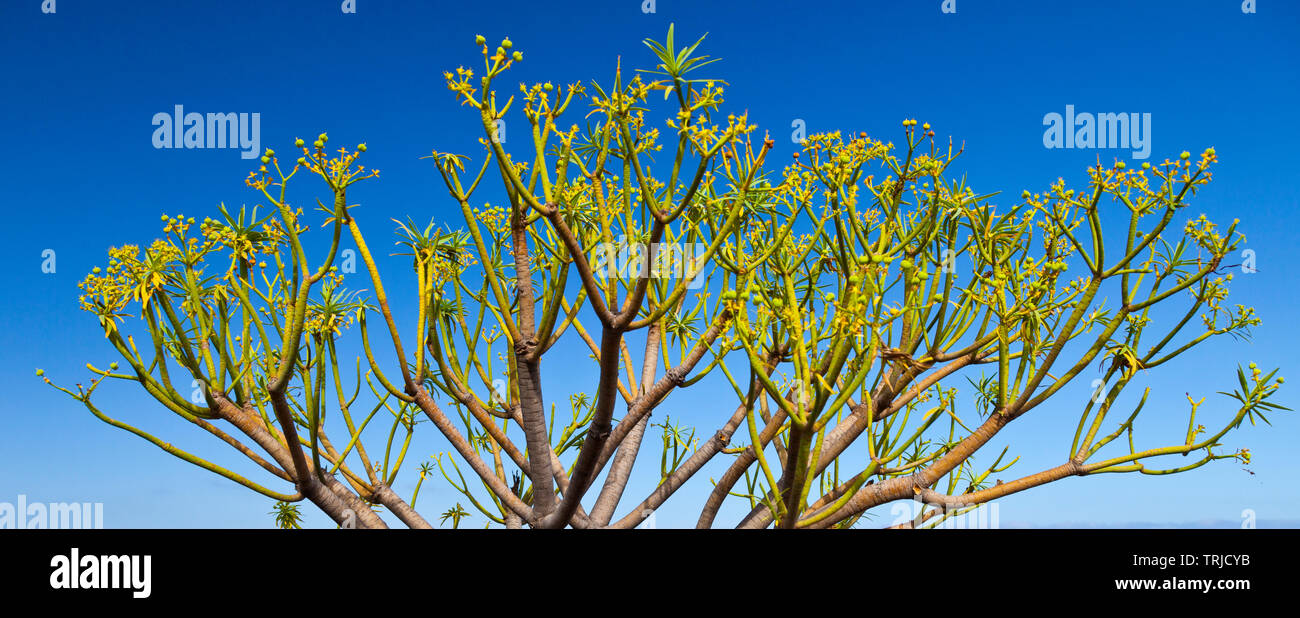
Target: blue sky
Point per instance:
(80, 173)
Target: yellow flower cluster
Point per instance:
(1206, 234)
(337, 171)
(243, 246)
(128, 278)
(107, 292)
(448, 269)
(329, 320)
(621, 102)
(459, 83)
(494, 217)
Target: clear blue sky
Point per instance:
(79, 173)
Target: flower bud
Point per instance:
(298, 142)
(479, 40)
(361, 147)
(112, 366)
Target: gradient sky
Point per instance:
(79, 87)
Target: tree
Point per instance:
(841, 299)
